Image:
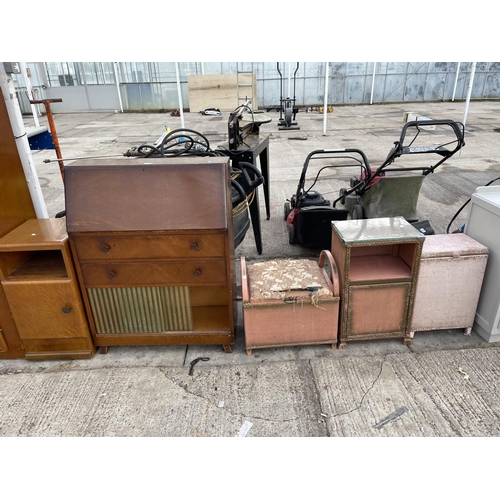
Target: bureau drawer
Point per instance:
(142, 247)
(154, 273)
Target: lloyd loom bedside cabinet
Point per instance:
(290, 302)
(378, 261)
(449, 282)
(42, 291)
(153, 244)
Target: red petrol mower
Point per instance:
(388, 191)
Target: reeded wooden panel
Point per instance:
(141, 309)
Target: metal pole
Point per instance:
(179, 93)
(29, 90)
(325, 105)
(48, 160)
(373, 82)
(84, 81)
(52, 126)
(456, 81)
(289, 82)
(8, 92)
(115, 69)
(469, 91)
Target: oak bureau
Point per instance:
(152, 241)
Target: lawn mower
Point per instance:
(382, 192)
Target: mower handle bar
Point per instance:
(399, 148)
(457, 127)
(445, 153)
(365, 165)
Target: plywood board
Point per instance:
(220, 91)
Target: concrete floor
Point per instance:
(444, 384)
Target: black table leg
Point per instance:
(264, 168)
(255, 218)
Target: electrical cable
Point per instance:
(465, 204)
(188, 142)
(179, 142)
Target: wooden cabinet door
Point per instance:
(46, 310)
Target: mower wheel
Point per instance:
(353, 181)
(356, 212)
(291, 234)
(287, 209)
(342, 193)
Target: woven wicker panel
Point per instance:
(141, 309)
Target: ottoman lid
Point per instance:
(282, 279)
(451, 245)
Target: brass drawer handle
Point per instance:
(66, 310)
(195, 246)
(111, 274)
(104, 247)
(197, 272)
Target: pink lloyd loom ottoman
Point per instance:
(451, 273)
(290, 302)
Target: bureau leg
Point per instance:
(468, 331)
(103, 349)
(342, 345)
(249, 352)
(227, 348)
(334, 346)
(407, 341)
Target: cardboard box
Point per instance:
(414, 117)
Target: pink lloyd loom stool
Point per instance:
(290, 302)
